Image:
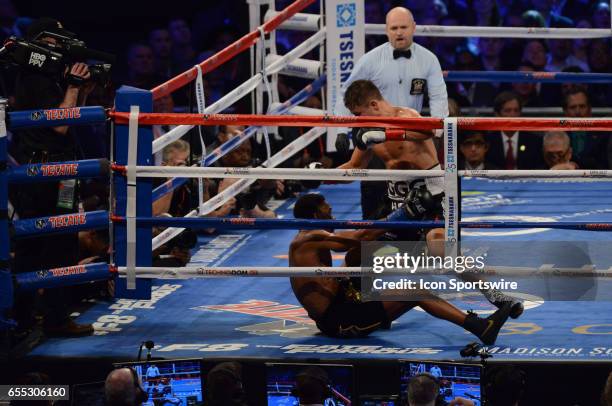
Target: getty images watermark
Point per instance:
(535, 270)
(466, 266)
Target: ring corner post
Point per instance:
(451, 181)
(126, 98)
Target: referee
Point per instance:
(404, 72)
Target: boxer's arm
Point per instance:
(332, 241)
(362, 235)
(421, 135)
(359, 159)
(415, 135)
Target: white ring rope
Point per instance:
(311, 22)
(190, 272)
(498, 32)
(283, 173)
(352, 174)
(538, 173)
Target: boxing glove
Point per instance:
(364, 137)
(312, 183)
(418, 202)
(343, 143)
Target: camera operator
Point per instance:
(36, 90)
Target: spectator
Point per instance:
(424, 40)
(599, 56)
(485, 13)
(374, 14)
(533, 19)
(535, 53)
(161, 45)
(8, 20)
(527, 91)
(600, 61)
(180, 201)
(463, 92)
(424, 390)
(474, 147)
(251, 203)
(580, 45)
(513, 150)
(508, 8)
(601, 15)
(123, 388)
(490, 60)
(561, 57)
(490, 49)
(512, 52)
(552, 19)
(183, 54)
(420, 8)
(504, 386)
(578, 9)
(312, 386)
(513, 18)
(588, 147)
(568, 87)
(141, 69)
(224, 385)
(606, 396)
(557, 151)
(233, 71)
(446, 47)
(164, 104)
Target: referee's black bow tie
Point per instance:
(398, 53)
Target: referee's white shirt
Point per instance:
(399, 79)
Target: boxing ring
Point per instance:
(237, 316)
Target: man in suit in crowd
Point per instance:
(474, 146)
(513, 149)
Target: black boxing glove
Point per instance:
(418, 202)
(312, 183)
(364, 137)
(343, 143)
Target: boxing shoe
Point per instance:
(498, 299)
(487, 329)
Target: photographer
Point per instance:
(36, 89)
(252, 202)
